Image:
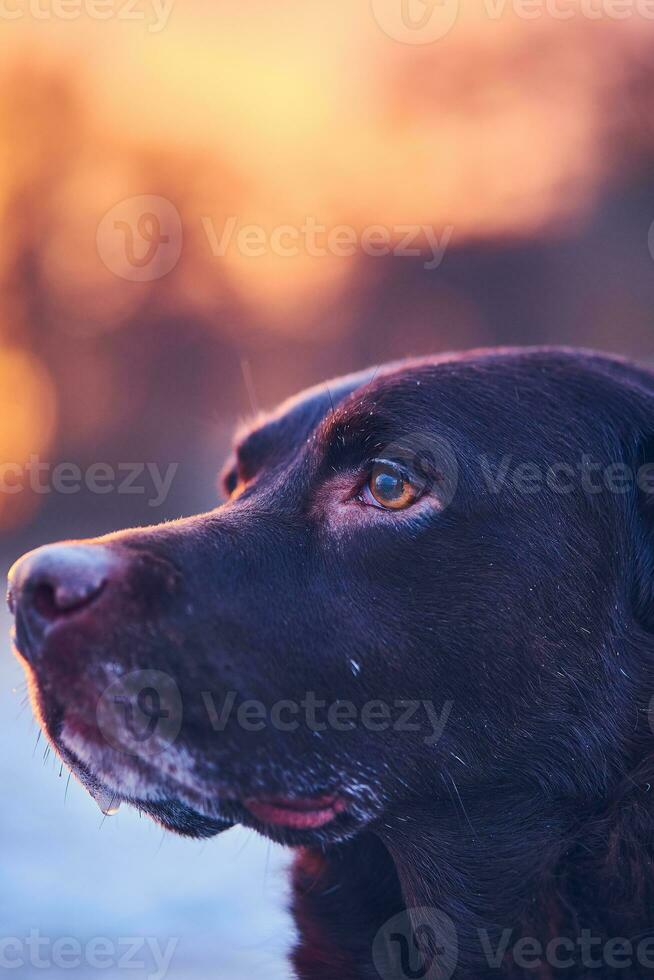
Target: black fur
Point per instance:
(523, 612)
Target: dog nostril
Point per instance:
(52, 600)
(58, 580)
(43, 600)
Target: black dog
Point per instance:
(415, 642)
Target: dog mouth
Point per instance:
(325, 814)
(309, 813)
(291, 814)
(290, 819)
(269, 813)
(296, 815)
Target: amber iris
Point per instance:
(390, 488)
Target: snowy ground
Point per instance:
(117, 892)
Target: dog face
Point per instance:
(420, 580)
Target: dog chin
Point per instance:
(292, 821)
(183, 820)
(161, 803)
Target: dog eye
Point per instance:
(389, 487)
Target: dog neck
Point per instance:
(440, 891)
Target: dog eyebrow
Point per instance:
(352, 433)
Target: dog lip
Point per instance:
(308, 813)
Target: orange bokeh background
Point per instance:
(524, 142)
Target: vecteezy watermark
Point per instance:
(416, 21)
(141, 712)
(41, 476)
(430, 461)
(567, 9)
(419, 944)
(591, 475)
(154, 13)
(432, 465)
(140, 238)
(427, 21)
(422, 944)
(319, 240)
(564, 953)
(319, 715)
(145, 954)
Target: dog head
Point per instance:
(429, 576)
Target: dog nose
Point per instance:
(58, 580)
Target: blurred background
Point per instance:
(208, 205)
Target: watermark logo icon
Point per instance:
(431, 462)
(140, 713)
(419, 944)
(416, 21)
(140, 238)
